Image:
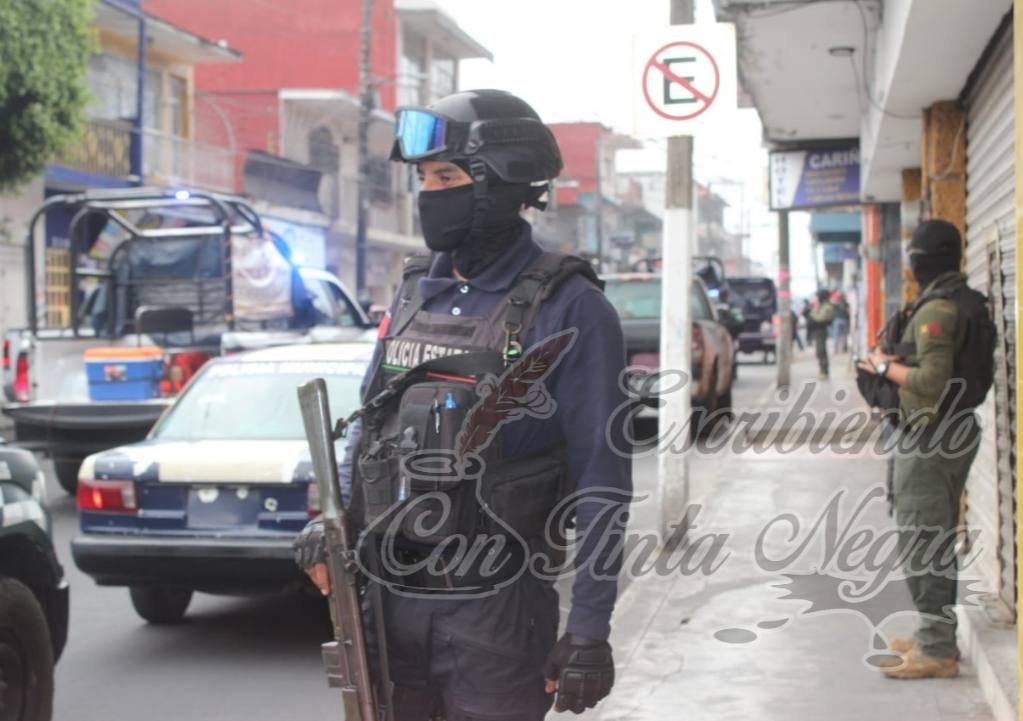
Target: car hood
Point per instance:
(203, 461)
(642, 334)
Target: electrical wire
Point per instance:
(862, 83)
(947, 172)
(866, 74)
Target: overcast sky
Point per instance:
(571, 60)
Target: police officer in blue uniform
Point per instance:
(483, 157)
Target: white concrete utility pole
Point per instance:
(676, 321)
(365, 118)
(783, 343)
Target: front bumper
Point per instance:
(212, 565)
(753, 342)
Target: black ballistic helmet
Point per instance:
(480, 128)
(939, 239)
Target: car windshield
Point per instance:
(635, 299)
(753, 294)
(257, 400)
(640, 299)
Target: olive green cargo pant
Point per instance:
(820, 344)
(928, 488)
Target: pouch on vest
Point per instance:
(520, 493)
(438, 487)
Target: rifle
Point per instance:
(345, 659)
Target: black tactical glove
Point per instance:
(584, 670)
(309, 546)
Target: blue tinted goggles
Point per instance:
(420, 133)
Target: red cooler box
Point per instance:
(124, 374)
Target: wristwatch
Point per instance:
(882, 368)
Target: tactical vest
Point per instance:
(412, 481)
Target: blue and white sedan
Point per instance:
(214, 496)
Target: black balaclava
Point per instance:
(936, 248)
(475, 240)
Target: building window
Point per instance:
(442, 75)
(177, 106)
(324, 154)
(411, 69)
(152, 104)
(112, 80)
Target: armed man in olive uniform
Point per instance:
(943, 369)
(819, 320)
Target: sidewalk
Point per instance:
(728, 644)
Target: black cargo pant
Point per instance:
(473, 659)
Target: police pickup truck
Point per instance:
(152, 284)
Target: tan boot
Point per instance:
(917, 665)
(901, 645)
(897, 648)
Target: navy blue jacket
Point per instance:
(585, 386)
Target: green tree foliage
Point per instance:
(44, 49)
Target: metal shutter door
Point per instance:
(990, 265)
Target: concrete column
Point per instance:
(873, 301)
(944, 163)
(912, 188)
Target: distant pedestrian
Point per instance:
(795, 330)
(943, 364)
(818, 321)
(840, 328)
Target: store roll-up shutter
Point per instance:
(990, 265)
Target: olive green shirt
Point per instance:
(933, 333)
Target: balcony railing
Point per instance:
(105, 149)
(172, 160)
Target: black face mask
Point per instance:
(446, 217)
(927, 267)
(452, 224)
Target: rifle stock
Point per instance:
(345, 659)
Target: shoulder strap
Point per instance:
(534, 286)
(416, 266)
(927, 298)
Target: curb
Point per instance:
(991, 648)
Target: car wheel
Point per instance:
(725, 405)
(699, 425)
(66, 470)
(160, 605)
(26, 658)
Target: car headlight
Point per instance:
(765, 328)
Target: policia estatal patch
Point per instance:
(401, 355)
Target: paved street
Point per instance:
(232, 659)
(250, 659)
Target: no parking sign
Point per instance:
(683, 78)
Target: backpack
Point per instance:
(976, 336)
(973, 363)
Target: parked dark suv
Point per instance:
(33, 592)
(755, 302)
